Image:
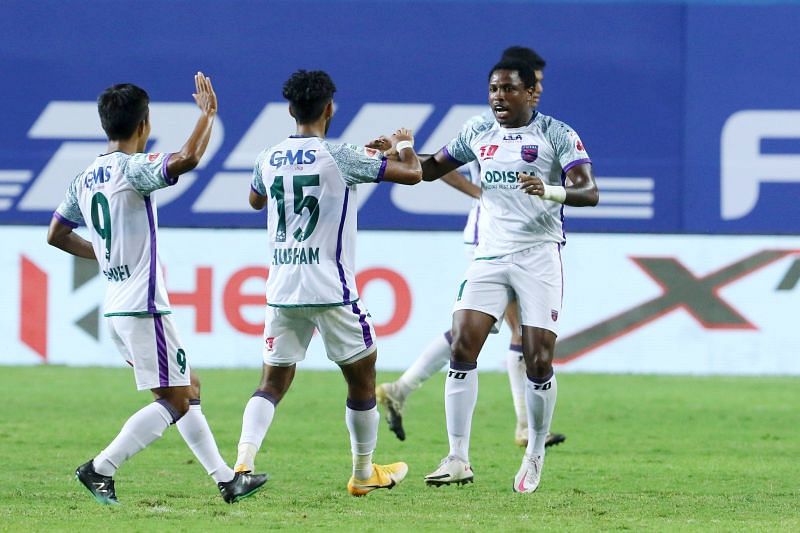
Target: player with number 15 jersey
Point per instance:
(312, 219)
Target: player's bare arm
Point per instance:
(457, 180)
(61, 236)
(407, 170)
(437, 166)
(582, 191)
(189, 156)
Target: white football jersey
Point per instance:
(473, 174)
(312, 208)
(511, 220)
(114, 194)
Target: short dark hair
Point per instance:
(525, 71)
(122, 108)
(308, 93)
(525, 54)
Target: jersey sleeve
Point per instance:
(257, 183)
(357, 163)
(568, 147)
(69, 212)
(148, 172)
(459, 150)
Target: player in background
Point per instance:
(392, 396)
(115, 196)
(531, 165)
(309, 187)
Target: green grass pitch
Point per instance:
(642, 453)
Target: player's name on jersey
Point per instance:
(117, 273)
(295, 256)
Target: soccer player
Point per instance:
(115, 195)
(531, 165)
(309, 187)
(392, 396)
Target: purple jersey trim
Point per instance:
(165, 173)
(382, 170)
(345, 289)
(450, 157)
(161, 347)
(561, 265)
(577, 162)
(151, 284)
(561, 210)
(64, 220)
(255, 191)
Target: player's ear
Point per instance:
(328, 112)
(291, 112)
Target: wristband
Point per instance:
(404, 144)
(554, 193)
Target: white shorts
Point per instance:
(346, 330)
(533, 275)
(150, 344)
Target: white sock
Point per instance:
(431, 360)
(145, 426)
(515, 364)
(460, 396)
(363, 428)
(541, 398)
(194, 429)
(256, 420)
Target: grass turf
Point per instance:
(642, 453)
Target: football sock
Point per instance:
(146, 425)
(460, 395)
(194, 429)
(515, 364)
(541, 396)
(256, 420)
(430, 361)
(362, 421)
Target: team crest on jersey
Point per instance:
(529, 152)
(554, 315)
(152, 157)
(270, 341)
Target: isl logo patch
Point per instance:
(529, 152)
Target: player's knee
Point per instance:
(195, 384)
(539, 362)
(461, 348)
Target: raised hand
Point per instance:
(205, 97)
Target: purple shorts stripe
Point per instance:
(362, 319)
(576, 163)
(151, 283)
(64, 220)
(161, 348)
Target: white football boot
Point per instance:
(529, 474)
(451, 470)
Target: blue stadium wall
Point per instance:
(689, 110)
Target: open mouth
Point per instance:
(500, 111)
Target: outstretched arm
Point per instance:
(581, 193)
(194, 148)
(437, 166)
(61, 236)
